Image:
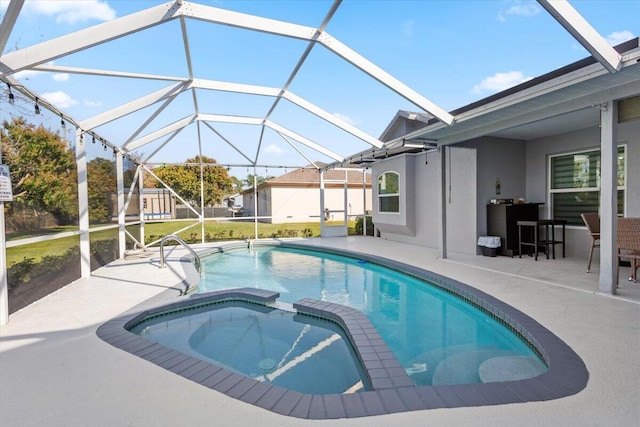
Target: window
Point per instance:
(575, 184)
(389, 192)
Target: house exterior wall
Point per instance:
(472, 170)
(419, 218)
(538, 152)
(461, 200)
(159, 205)
(392, 224)
(503, 159)
(302, 204)
(264, 206)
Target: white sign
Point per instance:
(6, 194)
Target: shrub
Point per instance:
(359, 222)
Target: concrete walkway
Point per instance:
(54, 370)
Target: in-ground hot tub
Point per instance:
(297, 352)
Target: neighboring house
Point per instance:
(157, 203)
(540, 141)
(295, 196)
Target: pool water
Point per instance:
(437, 337)
(296, 352)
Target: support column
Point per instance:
(443, 201)
(346, 199)
(120, 198)
(202, 216)
(141, 206)
(83, 205)
(4, 283)
(322, 214)
(255, 204)
(608, 197)
(364, 201)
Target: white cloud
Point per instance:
(26, 74)
(90, 103)
(518, 8)
(61, 77)
(500, 81)
(72, 11)
(407, 27)
(345, 118)
(618, 37)
(273, 149)
(59, 99)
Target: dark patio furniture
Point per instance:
(548, 242)
(629, 244)
(592, 221)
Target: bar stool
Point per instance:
(549, 242)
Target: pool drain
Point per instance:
(267, 364)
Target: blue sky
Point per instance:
(451, 52)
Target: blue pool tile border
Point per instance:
(393, 391)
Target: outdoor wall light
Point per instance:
(37, 107)
(12, 97)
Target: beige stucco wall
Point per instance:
(295, 204)
(302, 204)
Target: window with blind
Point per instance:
(575, 184)
(389, 192)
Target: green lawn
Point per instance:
(214, 231)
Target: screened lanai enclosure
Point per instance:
(224, 90)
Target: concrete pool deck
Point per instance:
(56, 371)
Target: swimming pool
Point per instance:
(296, 352)
(393, 386)
(436, 336)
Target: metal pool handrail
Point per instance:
(183, 243)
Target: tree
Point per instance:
(237, 184)
(149, 180)
(101, 182)
(185, 180)
(248, 181)
(43, 170)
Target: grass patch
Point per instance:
(213, 231)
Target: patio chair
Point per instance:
(629, 242)
(592, 221)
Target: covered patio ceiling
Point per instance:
(149, 116)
